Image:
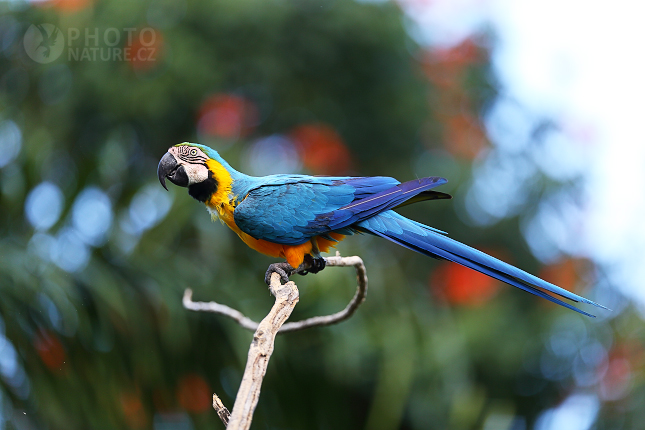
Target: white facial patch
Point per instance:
(196, 172)
(193, 160)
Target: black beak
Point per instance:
(169, 168)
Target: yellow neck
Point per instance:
(220, 201)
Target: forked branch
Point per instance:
(287, 297)
(249, 324)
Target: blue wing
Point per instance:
(291, 210)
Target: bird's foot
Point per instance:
(311, 265)
(283, 269)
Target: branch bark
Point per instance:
(218, 308)
(287, 297)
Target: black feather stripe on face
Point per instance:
(191, 155)
(203, 190)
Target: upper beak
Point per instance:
(171, 169)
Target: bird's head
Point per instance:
(197, 167)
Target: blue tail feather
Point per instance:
(423, 239)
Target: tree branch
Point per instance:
(318, 321)
(287, 297)
(218, 308)
(261, 348)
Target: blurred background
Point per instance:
(531, 109)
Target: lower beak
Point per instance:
(171, 169)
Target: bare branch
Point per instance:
(287, 297)
(218, 308)
(319, 321)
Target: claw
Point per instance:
(283, 269)
(311, 265)
(319, 264)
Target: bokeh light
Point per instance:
(69, 251)
(149, 206)
(577, 412)
(8, 358)
(44, 205)
(500, 189)
(271, 155)
(92, 215)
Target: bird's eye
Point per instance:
(193, 152)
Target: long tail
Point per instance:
(425, 240)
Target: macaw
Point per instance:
(296, 217)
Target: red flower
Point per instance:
(143, 49)
(227, 116)
(321, 149)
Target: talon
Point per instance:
(311, 265)
(318, 265)
(283, 269)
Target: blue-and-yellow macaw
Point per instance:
(299, 216)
